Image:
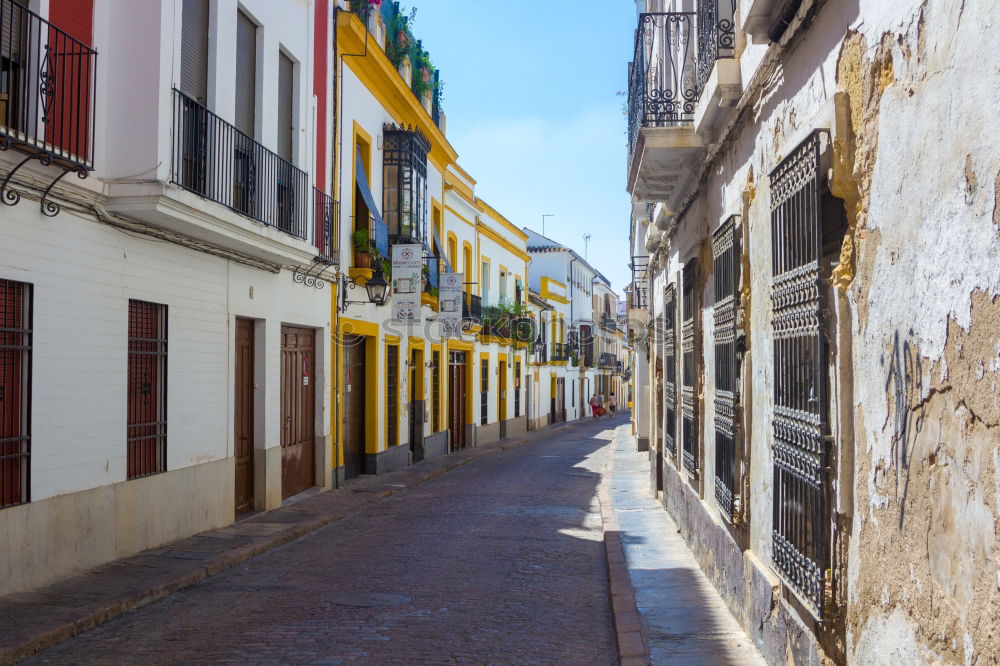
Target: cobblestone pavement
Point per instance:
(497, 562)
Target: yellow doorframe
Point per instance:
(502, 387)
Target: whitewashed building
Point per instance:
(161, 362)
(815, 185)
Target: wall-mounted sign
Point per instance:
(450, 296)
(407, 261)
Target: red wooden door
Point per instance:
(297, 409)
(243, 417)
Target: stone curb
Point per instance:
(60, 630)
(632, 649)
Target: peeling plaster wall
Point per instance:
(907, 90)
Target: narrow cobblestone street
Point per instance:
(499, 561)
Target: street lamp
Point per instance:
(376, 287)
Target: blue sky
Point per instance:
(530, 97)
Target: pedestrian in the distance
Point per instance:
(612, 404)
(595, 405)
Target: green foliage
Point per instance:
(361, 242)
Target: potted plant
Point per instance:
(425, 274)
(362, 249)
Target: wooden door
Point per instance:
(354, 406)
(243, 417)
(457, 417)
(502, 398)
(417, 404)
(297, 409)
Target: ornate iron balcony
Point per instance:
(663, 86)
(327, 232)
(716, 35)
(47, 83)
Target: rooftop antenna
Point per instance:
(543, 220)
(586, 244)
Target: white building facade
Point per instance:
(822, 284)
(168, 371)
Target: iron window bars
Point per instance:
(726, 269)
(670, 369)
(689, 369)
(392, 395)
(15, 392)
(801, 450)
(404, 183)
(436, 391)
(147, 389)
(673, 56)
(213, 159)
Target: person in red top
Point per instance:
(595, 405)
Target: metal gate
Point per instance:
(670, 370)
(297, 410)
(689, 370)
(800, 531)
(726, 269)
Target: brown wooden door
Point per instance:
(297, 409)
(457, 417)
(354, 406)
(243, 418)
(417, 404)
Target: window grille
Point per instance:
(689, 369)
(15, 392)
(436, 392)
(800, 531)
(484, 396)
(392, 395)
(404, 183)
(726, 256)
(147, 389)
(670, 369)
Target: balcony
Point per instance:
(216, 161)
(472, 307)
(540, 351)
(326, 214)
(370, 240)
(47, 83)
(609, 323)
(674, 59)
(608, 362)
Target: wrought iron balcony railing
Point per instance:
(716, 35)
(215, 160)
(541, 350)
(327, 232)
(663, 86)
(608, 361)
(47, 83)
(673, 57)
(472, 307)
(609, 323)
